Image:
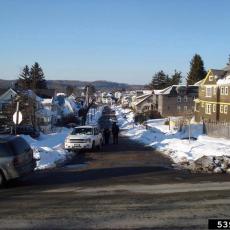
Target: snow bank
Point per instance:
(172, 142)
(49, 148)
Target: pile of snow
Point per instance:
(175, 143)
(49, 148)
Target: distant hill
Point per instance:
(62, 84)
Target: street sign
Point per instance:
(17, 117)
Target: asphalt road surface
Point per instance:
(124, 186)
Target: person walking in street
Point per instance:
(106, 135)
(115, 132)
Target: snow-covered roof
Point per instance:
(10, 92)
(165, 91)
(198, 83)
(146, 97)
(47, 101)
(168, 90)
(222, 76)
(61, 94)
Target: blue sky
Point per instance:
(116, 40)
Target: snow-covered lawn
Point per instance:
(49, 148)
(173, 143)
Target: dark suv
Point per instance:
(16, 158)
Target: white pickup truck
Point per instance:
(84, 137)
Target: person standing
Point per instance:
(106, 134)
(115, 132)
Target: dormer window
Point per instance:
(210, 78)
(179, 99)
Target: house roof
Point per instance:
(146, 97)
(9, 91)
(143, 96)
(173, 89)
(222, 76)
(218, 73)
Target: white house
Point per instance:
(7, 98)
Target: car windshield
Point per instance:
(86, 131)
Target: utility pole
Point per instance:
(17, 111)
(87, 96)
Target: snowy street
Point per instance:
(127, 185)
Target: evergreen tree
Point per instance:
(160, 80)
(197, 71)
(176, 78)
(37, 77)
(24, 80)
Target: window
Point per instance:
(226, 90)
(210, 78)
(185, 108)
(214, 90)
(222, 91)
(178, 108)
(208, 91)
(185, 99)
(225, 109)
(179, 99)
(208, 108)
(221, 108)
(214, 108)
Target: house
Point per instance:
(144, 103)
(176, 100)
(6, 105)
(7, 97)
(213, 103)
(48, 113)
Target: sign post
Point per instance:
(17, 117)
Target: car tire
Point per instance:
(2, 179)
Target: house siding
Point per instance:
(219, 99)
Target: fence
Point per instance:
(217, 129)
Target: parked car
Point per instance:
(84, 137)
(27, 130)
(16, 158)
